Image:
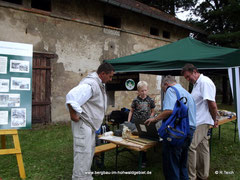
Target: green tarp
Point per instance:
(173, 57)
(170, 59)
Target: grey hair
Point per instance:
(169, 79)
(141, 84)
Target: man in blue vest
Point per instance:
(87, 104)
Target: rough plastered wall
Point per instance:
(82, 44)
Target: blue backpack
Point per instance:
(175, 129)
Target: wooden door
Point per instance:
(41, 88)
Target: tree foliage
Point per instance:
(219, 18)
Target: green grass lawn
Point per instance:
(47, 155)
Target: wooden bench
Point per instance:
(104, 147)
(100, 150)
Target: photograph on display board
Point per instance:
(19, 66)
(3, 65)
(9, 100)
(18, 117)
(4, 85)
(3, 117)
(20, 83)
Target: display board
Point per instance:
(15, 85)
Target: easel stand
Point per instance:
(16, 150)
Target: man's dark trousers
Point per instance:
(175, 159)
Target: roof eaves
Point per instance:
(114, 3)
(136, 10)
(125, 6)
(139, 8)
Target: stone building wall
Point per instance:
(74, 31)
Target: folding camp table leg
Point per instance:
(140, 164)
(116, 161)
(235, 130)
(219, 132)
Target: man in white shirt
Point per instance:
(87, 104)
(204, 92)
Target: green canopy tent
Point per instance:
(170, 59)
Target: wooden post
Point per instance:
(16, 150)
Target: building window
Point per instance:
(166, 34)
(154, 31)
(14, 1)
(112, 21)
(43, 4)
